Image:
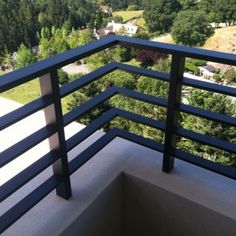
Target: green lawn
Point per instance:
(141, 23)
(28, 92)
(127, 15)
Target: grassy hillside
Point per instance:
(128, 15)
(223, 40)
(30, 91)
(164, 39)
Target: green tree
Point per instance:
(59, 40)
(85, 37)
(226, 10)
(58, 12)
(73, 39)
(160, 14)
(187, 4)
(24, 57)
(63, 77)
(52, 42)
(191, 28)
(230, 76)
(219, 10)
(217, 103)
(7, 59)
(45, 47)
(10, 36)
(122, 54)
(28, 22)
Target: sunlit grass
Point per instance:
(28, 92)
(127, 15)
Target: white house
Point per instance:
(113, 28)
(128, 28)
(207, 72)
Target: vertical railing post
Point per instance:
(53, 114)
(174, 98)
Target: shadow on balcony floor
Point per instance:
(130, 206)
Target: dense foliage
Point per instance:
(191, 28)
(21, 20)
(160, 14)
(219, 10)
(216, 103)
(123, 4)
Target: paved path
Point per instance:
(75, 69)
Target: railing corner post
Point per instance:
(53, 115)
(174, 98)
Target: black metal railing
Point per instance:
(51, 103)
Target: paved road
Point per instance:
(75, 69)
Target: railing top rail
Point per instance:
(23, 75)
(208, 55)
(52, 93)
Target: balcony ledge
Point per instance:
(54, 215)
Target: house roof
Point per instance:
(209, 68)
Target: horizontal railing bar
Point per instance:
(100, 72)
(206, 164)
(203, 54)
(86, 79)
(204, 139)
(89, 152)
(139, 140)
(140, 119)
(18, 210)
(142, 97)
(20, 76)
(27, 174)
(25, 144)
(105, 118)
(23, 75)
(102, 97)
(94, 148)
(218, 88)
(89, 129)
(225, 119)
(143, 71)
(24, 111)
(87, 106)
(38, 69)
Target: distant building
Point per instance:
(114, 28)
(207, 72)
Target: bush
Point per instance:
(230, 76)
(63, 77)
(133, 8)
(217, 77)
(142, 35)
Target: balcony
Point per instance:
(117, 183)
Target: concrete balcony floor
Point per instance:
(123, 191)
(123, 188)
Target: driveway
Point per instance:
(75, 69)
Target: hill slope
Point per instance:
(128, 15)
(223, 40)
